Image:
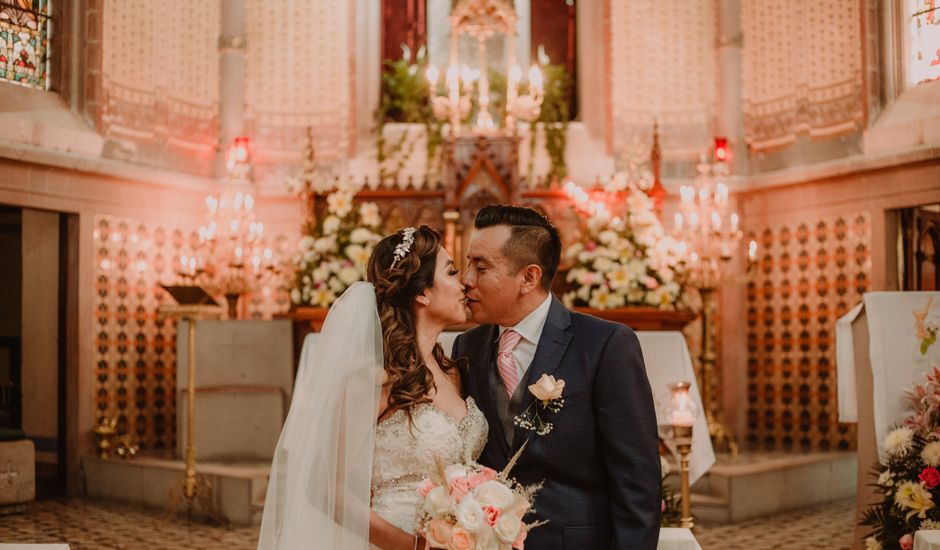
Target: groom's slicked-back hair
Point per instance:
(532, 240)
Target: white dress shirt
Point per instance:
(530, 329)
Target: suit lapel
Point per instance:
(553, 343)
(481, 361)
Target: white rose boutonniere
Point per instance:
(547, 391)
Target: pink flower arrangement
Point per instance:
(471, 506)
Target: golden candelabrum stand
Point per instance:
(709, 233)
(194, 486)
(682, 412)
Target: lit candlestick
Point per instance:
(432, 75)
(249, 202)
(693, 220)
(535, 80)
(734, 222)
(238, 255)
(212, 203)
(687, 194)
(716, 221)
(237, 203)
(677, 226)
(752, 250)
(721, 194)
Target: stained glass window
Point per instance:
(923, 40)
(24, 41)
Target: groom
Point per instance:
(598, 455)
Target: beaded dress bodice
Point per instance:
(405, 454)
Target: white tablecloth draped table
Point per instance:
(927, 540)
(674, 538)
(667, 359)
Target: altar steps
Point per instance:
(237, 490)
(761, 484)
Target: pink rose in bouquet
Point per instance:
(466, 507)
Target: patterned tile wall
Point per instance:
(810, 273)
(135, 352)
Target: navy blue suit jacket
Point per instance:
(600, 462)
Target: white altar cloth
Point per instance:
(675, 538)
(927, 540)
(894, 349)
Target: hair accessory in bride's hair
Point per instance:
(407, 239)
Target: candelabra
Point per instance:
(709, 233)
(481, 19)
(232, 257)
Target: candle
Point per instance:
(535, 80)
(238, 255)
(721, 194)
(678, 222)
(752, 250)
(432, 75)
(682, 418)
(687, 194)
(716, 221)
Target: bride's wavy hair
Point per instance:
(396, 287)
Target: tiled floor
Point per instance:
(86, 525)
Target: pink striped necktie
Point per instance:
(505, 362)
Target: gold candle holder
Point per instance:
(683, 438)
(104, 434)
(682, 413)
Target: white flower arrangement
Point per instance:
(625, 262)
(334, 257)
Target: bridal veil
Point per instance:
(320, 482)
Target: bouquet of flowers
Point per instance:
(629, 261)
(471, 506)
(334, 256)
(909, 479)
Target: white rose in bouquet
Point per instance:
(493, 493)
(470, 514)
(507, 528)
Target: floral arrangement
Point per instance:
(909, 479)
(627, 261)
(335, 254)
(471, 506)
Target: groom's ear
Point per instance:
(531, 278)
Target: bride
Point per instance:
(376, 404)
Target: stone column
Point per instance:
(231, 79)
(729, 123)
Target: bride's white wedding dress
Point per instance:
(406, 454)
(333, 464)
